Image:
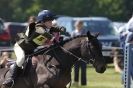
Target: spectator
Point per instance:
(129, 37)
(32, 19)
(79, 31)
(6, 61)
(123, 33)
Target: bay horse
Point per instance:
(66, 53)
(57, 72)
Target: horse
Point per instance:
(66, 53)
(55, 71)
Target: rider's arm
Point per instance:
(43, 32)
(58, 29)
(41, 36)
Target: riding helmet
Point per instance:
(45, 15)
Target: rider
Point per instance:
(40, 35)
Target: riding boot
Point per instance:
(14, 73)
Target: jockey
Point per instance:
(41, 34)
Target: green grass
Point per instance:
(109, 79)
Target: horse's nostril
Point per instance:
(103, 68)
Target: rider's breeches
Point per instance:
(19, 52)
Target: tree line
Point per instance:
(20, 10)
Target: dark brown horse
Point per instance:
(55, 71)
(65, 53)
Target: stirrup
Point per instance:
(8, 83)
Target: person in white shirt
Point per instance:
(79, 30)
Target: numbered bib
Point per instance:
(40, 40)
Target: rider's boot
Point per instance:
(14, 73)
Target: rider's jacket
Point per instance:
(37, 36)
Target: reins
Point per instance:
(73, 55)
(53, 47)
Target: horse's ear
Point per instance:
(89, 35)
(97, 34)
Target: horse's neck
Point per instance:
(74, 47)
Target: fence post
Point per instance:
(128, 55)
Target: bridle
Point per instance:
(88, 46)
(92, 56)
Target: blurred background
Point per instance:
(108, 17)
(19, 11)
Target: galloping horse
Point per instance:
(66, 53)
(57, 72)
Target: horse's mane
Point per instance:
(70, 39)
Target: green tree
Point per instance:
(6, 10)
(20, 10)
(109, 8)
(128, 9)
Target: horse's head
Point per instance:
(93, 53)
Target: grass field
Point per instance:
(109, 79)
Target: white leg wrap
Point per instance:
(19, 54)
